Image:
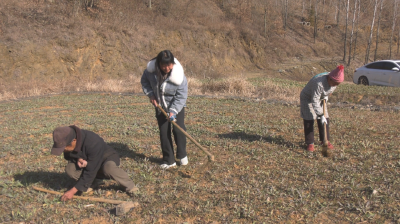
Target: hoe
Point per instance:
(209, 155)
(122, 206)
(325, 151)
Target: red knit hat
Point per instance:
(337, 74)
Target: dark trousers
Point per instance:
(166, 139)
(309, 130)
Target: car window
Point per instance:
(370, 65)
(398, 63)
(389, 65)
(377, 65)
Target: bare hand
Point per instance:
(153, 101)
(82, 163)
(69, 194)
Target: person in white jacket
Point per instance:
(316, 90)
(165, 84)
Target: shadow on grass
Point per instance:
(56, 182)
(240, 135)
(52, 180)
(124, 151)
(279, 140)
(59, 181)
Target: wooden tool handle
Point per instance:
(210, 156)
(116, 202)
(325, 142)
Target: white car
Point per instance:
(379, 73)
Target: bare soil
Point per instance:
(46, 41)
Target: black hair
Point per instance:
(165, 57)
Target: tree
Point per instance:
(315, 19)
(285, 6)
(398, 42)
(338, 13)
(393, 27)
(352, 30)
(265, 22)
(358, 19)
(377, 30)
(311, 16)
(345, 32)
(88, 3)
(85, 3)
(370, 34)
(325, 19)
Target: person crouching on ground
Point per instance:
(316, 90)
(89, 157)
(164, 82)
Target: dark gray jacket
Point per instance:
(172, 94)
(92, 148)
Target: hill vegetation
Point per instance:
(50, 46)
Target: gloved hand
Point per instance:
(323, 119)
(326, 99)
(172, 116)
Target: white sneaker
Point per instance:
(184, 161)
(166, 166)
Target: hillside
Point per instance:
(51, 45)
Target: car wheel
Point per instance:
(363, 80)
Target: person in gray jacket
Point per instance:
(164, 82)
(316, 90)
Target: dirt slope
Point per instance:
(46, 40)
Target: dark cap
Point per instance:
(62, 136)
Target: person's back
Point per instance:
(89, 157)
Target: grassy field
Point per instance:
(261, 172)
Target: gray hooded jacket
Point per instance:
(310, 97)
(172, 93)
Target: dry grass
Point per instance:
(231, 86)
(271, 90)
(194, 85)
(32, 89)
(268, 89)
(7, 96)
(114, 85)
(223, 87)
(263, 88)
